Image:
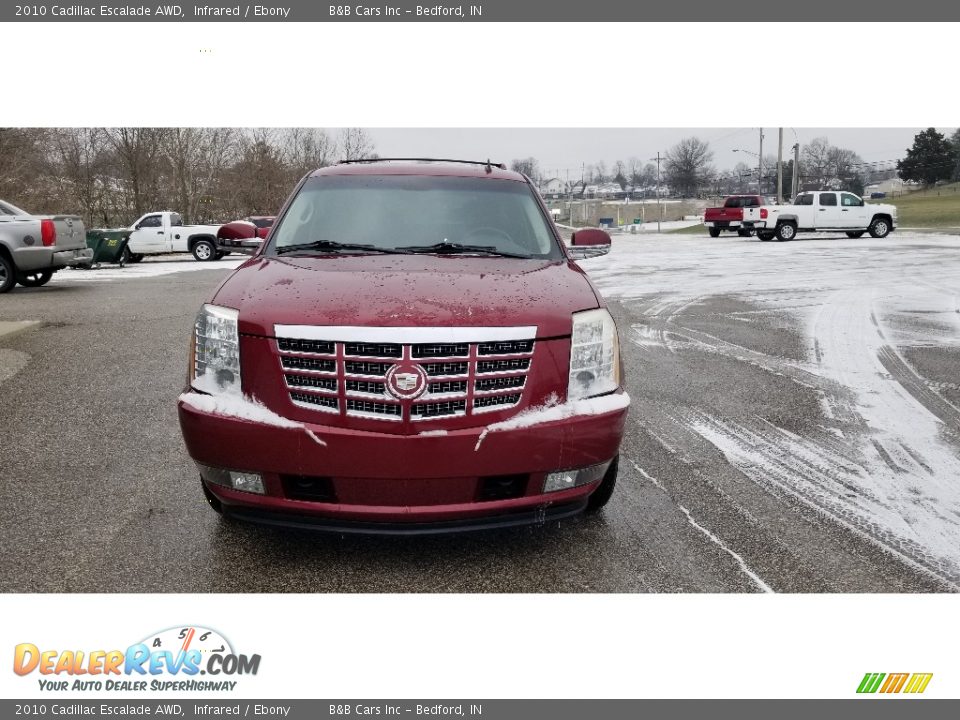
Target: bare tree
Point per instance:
(196, 156)
(355, 144)
(687, 167)
(138, 156)
(22, 160)
(307, 149)
(528, 166)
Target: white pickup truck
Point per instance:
(819, 211)
(158, 233)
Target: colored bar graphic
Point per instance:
(918, 683)
(870, 682)
(895, 683)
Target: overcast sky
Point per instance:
(560, 150)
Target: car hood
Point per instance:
(407, 291)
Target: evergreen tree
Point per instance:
(930, 159)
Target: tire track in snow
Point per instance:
(744, 568)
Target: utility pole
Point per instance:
(795, 184)
(659, 213)
(760, 166)
(780, 170)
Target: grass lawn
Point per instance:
(700, 229)
(933, 208)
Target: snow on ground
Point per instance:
(887, 461)
(149, 267)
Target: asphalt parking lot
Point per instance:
(794, 428)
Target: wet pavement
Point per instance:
(794, 428)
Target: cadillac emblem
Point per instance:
(406, 382)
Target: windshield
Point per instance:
(391, 212)
(8, 209)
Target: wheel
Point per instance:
(855, 234)
(742, 232)
(35, 279)
(7, 277)
(204, 251)
(765, 235)
(125, 256)
(601, 496)
(135, 258)
(786, 231)
(714, 232)
(220, 254)
(880, 227)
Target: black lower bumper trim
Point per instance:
(538, 516)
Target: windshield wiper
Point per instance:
(334, 245)
(445, 248)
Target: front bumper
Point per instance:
(410, 483)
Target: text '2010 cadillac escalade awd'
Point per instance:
(412, 350)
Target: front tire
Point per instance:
(744, 233)
(855, 234)
(786, 231)
(204, 251)
(714, 232)
(7, 277)
(135, 258)
(35, 279)
(765, 235)
(601, 496)
(879, 228)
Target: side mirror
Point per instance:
(588, 243)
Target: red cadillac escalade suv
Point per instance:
(413, 349)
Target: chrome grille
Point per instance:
(347, 374)
(447, 387)
(311, 364)
(439, 409)
(495, 366)
(374, 350)
(509, 347)
(449, 368)
(321, 402)
(436, 350)
(366, 386)
(500, 383)
(310, 346)
(320, 383)
(494, 401)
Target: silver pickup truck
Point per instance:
(34, 247)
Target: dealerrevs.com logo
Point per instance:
(176, 659)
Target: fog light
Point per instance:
(566, 479)
(247, 482)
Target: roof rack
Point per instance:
(489, 165)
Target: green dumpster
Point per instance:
(108, 246)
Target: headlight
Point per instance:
(216, 355)
(594, 355)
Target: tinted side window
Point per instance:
(150, 221)
(804, 200)
(828, 199)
